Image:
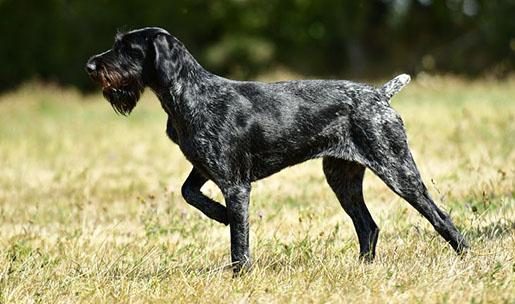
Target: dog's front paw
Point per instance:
(241, 267)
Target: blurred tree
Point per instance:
(51, 39)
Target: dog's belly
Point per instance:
(268, 158)
(266, 165)
(275, 148)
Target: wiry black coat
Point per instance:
(236, 132)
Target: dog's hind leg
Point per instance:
(387, 154)
(192, 194)
(403, 178)
(346, 180)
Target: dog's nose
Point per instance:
(91, 67)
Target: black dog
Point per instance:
(236, 132)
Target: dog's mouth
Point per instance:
(106, 79)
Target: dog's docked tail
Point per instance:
(393, 86)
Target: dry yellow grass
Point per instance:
(90, 210)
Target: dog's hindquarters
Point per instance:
(383, 148)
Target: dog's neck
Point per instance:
(181, 73)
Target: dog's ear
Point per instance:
(166, 62)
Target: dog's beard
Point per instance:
(122, 93)
(123, 100)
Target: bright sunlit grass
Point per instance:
(90, 210)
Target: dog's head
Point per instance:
(124, 71)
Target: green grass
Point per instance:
(90, 210)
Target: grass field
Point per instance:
(90, 210)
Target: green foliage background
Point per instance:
(51, 39)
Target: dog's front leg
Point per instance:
(237, 201)
(192, 194)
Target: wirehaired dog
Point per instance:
(237, 132)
